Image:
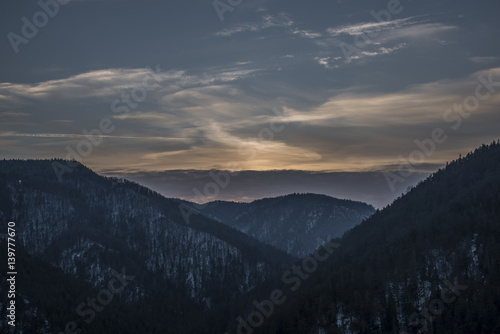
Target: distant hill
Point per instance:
(428, 263)
(292, 223)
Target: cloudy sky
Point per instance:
(173, 89)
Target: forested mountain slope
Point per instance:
(90, 226)
(292, 223)
(428, 263)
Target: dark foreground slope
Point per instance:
(292, 223)
(79, 233)
(428, 263)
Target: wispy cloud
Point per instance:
(418, 31)
(81, 136)
(98, 83)
(110, 82)
(203, 127)
(306, 33)
(379, 38)
(14, 114)
(267, 21)
(484, 60)
(337, 62)
(418, 104)
(369, 27)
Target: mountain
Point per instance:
(428, 263)
(87, 229)
(105, 255)
(292, 223)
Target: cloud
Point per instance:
(418, 104)
(267, 21)
(306, 33)
(219, 84)
(384, 31)
(356, 43)
(98, 83)
(210, 119)
(417, 31)
(77, 136)
(368, 39)
(110, 83)
(368, 27)
(337, 62)
(353, 130)
(484, 60)
(14, 114)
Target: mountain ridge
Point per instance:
(293, 222)
(88, 225)
(429, 262)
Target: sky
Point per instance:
(380, 93)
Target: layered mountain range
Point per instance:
(89, 227)
(106, 255)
